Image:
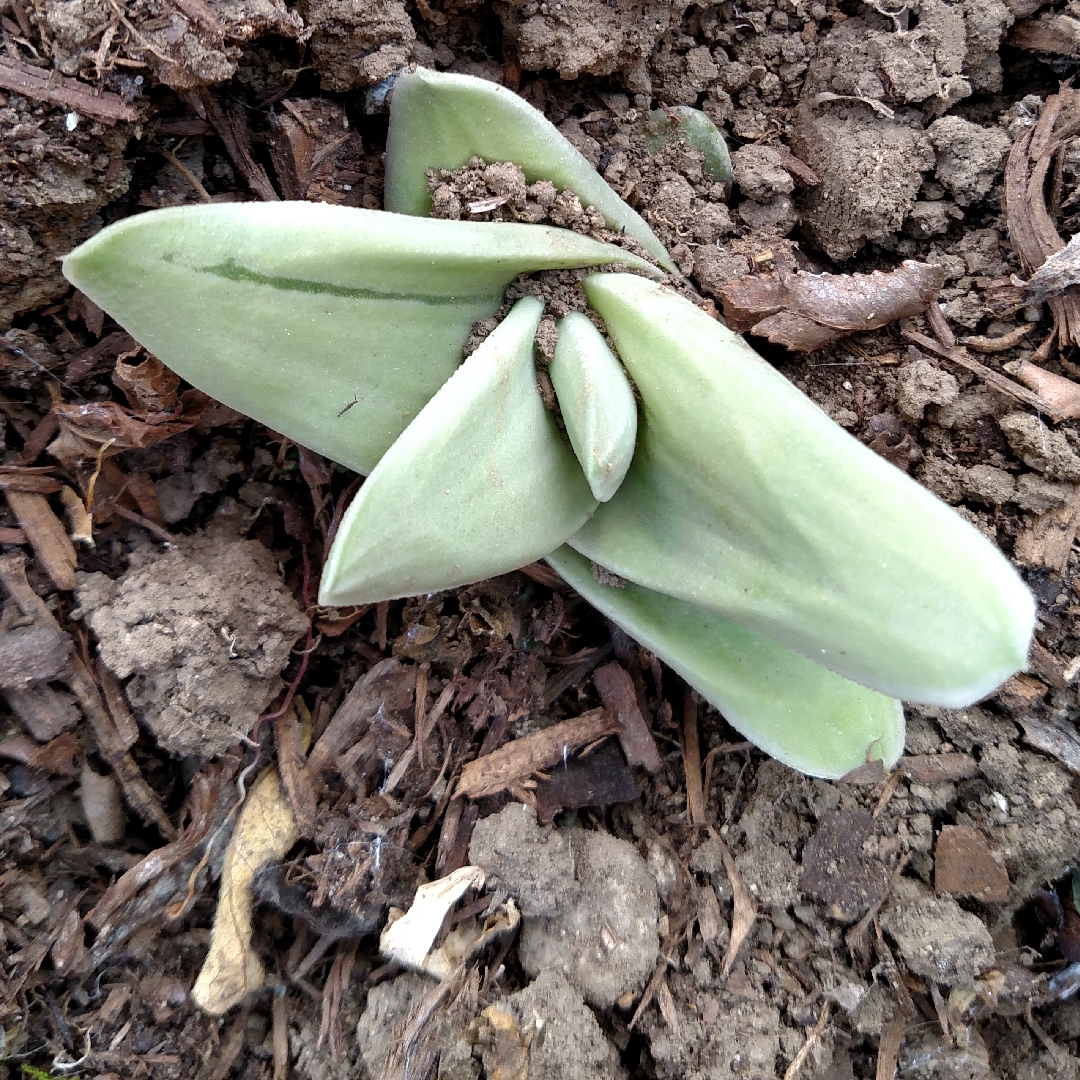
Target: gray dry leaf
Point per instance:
(203, 633)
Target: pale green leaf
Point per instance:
(698, 131)
(440, 121)
(745, 498)
(596, 402)
(331, 325)
(797, 711)
(480, 483)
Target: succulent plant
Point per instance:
(797, 580)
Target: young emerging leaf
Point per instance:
(797, 711)
(440, 121)
(745, 498)
(331, 325)
(596, 402)
(480, 483)
(698, 130)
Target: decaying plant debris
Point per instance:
(923, 920)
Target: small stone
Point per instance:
(965, 866)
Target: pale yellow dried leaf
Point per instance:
(265, 830)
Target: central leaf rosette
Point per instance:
(794, 578)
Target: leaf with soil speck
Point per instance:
(804, 311)
(442, 120)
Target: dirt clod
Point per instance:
(922, 383)
(940, 940)
(568, 1043)
(588, 901)
(202, 632)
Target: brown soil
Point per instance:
(751, 923)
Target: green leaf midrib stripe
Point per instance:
(232, 271)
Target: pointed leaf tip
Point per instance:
(480, 483)
(798, 712)
(441, 120)
(746, 498)
(331, 325)
(596, 402)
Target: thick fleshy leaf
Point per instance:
(596, 402)
(440, 121)
(331, 325)
(698, 130)
(797, 711)
(745, 498)
(480, 483)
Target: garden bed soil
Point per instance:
(688, 908)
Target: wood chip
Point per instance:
(43, 710)
(126, 725)
(30, 654)
(1055, 737)
(965, 866)
(292, 766)
(1020, 694)
(939, 768)
(1052, 32)
(1031, 230)
(892, 1034)
(600, 777)
(137, 792)
(695, 795)
(666, 1001)
(708, 913)
(744, 912)
(44, 84)
(80, 523)
(805, 311)
(836, 868)
(1043, 663)
(983, 344)
(854, 938)
(1061, 393)
(804, 1051)
(47, 537)
(279, 1013)
(520, 759)
(228, 1051)
(232, 129)
(1048, 540)
(616, 689)
(389, 685)
(959, 355)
